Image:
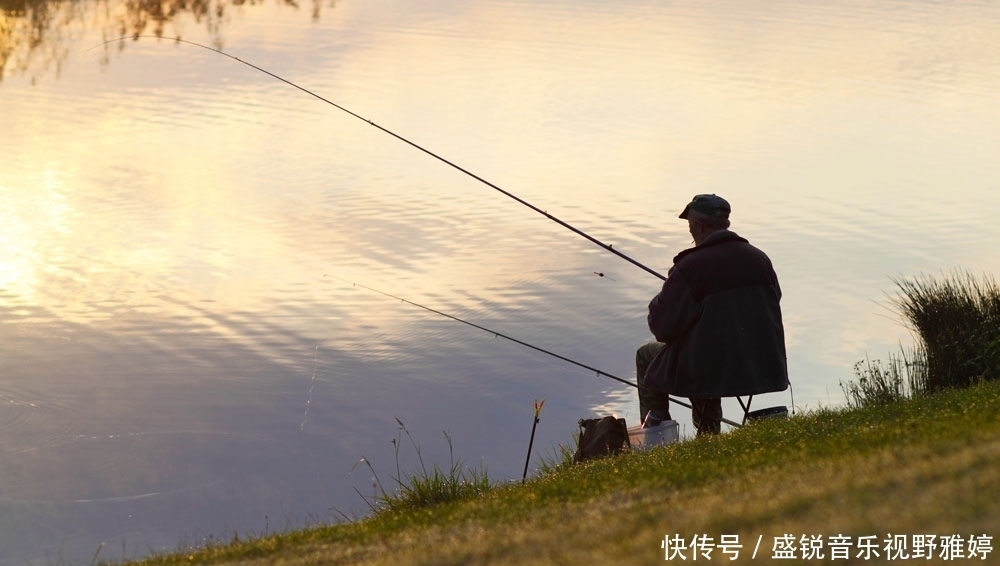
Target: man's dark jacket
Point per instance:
(719, 315)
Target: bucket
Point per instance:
(780, 412)
(664, 433)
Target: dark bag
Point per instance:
(601, 437)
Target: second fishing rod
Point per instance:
(516, 341)
(607, 247)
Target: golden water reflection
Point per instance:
(32, 221)
(727, 102)
(171, 222)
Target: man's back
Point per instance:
(719, 314)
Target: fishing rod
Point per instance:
(562, 223)
(516, 341)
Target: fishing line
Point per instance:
(312, 385)
(515, 340)
(562, 223)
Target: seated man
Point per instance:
(717, 323)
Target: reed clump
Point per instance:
(957, 320)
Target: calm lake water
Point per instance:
(180, 360)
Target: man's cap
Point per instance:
(711, 205)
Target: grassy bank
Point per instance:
(930, 465)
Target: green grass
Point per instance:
(927, 465)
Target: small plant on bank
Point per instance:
(878, 383)
(426, 488)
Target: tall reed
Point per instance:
(957, 319)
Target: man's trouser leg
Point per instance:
(707, 415)
(649, 400)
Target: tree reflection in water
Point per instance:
(35, 34)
